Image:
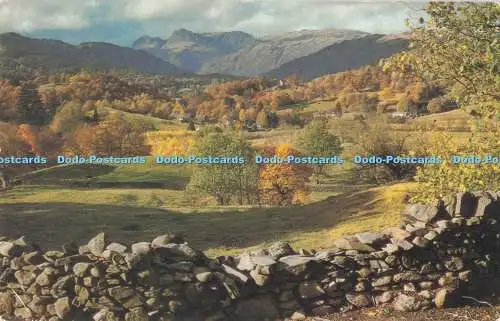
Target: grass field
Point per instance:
(51, 211)
(138, 202)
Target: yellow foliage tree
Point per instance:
(179, 146)
(437, 181)
(283, 184)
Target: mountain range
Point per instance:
(306, 53)
(19, 53)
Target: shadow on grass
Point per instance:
(52, 224)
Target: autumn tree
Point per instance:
(377, 139)
(68, 118)
(316, 140)
(457, 44)
(11, 143)
(225, 182)
(436, 105)
(115, 136)
(42, 140)
(283, 184)
(30, 109)
(262, 119)
(9, 97)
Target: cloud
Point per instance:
(123, 21)
(30, 15)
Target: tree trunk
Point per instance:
(4, 182)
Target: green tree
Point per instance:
(225, 182)
(458, 45)
(316, 140)
(262, 119)
(68, 118)
(30, 109)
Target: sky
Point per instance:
(123, 21)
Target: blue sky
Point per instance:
(123, 21)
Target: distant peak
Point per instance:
(182, 32)
(11, 35)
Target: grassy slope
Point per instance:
(51, 212)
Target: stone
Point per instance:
(34, 258)
(403, 244)
(9, 249)
(454, 264)
(259, 279)
(408, 276)
(245, 263)
(235, 273)
(448, 280)
(382, 281)
(379, 265)
(426, 285)
(431, 235)
(280, 249)
(405, 303)
(117, 248)
(296, 264)
(352, 243)
(327, 255)
(137, 314)
(364, 272)
(181, 252)
(25, 277)
(126, 296)
(420, 241)
(105, 315)
(464, 276)
(421, 212)
(62, 307)
(442, 298)
(371, 238)
(81, 269)
(397, 233)
(37, 305)
(385, 297)
(166, 239)
(23, 313)
(261, 307)
(81, 295)
(97, 245)
(141, 248)
(310, 290)
(484, 203)
(390, 248)
(465, 204)
(359, 300)
(263, 260)
(409, 287)
(298, 316)
(184, 266)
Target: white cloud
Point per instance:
(30, 15)
(161, 17)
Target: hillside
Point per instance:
(23, 54)
(273, 51)
(190, 51)
(348, 54)
(238, 53)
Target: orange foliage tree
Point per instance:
(9, 97)
(283, 184)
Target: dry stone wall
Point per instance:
(439, 254)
